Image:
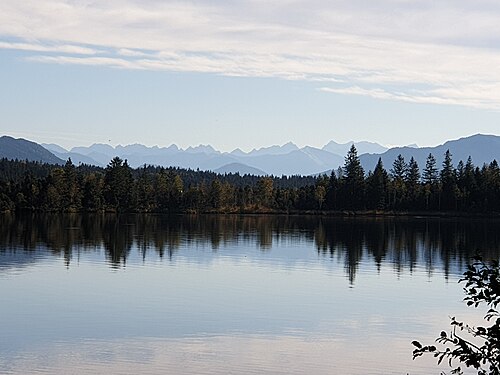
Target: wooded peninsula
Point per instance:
(41, 187)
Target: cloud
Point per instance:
(399, 96)
(386, 49)
(40, 47)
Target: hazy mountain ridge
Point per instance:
(242, 169)
(22, 149)
(287, 159)
(363, 147)
(482, 149)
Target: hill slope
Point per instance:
(482, 148)
(21, 149)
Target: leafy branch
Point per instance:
(473, 347)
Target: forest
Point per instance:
(405, 187)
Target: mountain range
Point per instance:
(287, 159)
(481, 148)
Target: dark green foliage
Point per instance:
(118, 185)
(474, 347)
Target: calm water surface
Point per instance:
(150, 294)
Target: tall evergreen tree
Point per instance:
(430, 172)
(430, 179)
(353, 180)
(470, 185)
(398, 173)
(376, 187)
(493, 186)
(412, 179)
(448, 184)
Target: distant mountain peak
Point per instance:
(275, 149)
(207, 149)
(238, 152)
(363, 147)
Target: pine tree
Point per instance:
(376, 187)
(430, 173)
(398, 173)
(412, 179)
(448, 184)
(353, 180)
(430, 178)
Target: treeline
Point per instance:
(119, 188)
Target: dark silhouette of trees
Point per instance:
(71, 190)
(448, 184)
(476, 347)
(92, 195)
(353, 181)
(430, 179)
(398, 173)
(412, 179)
(376, 187)
(320, 190)
(119, 188)
(118, 185)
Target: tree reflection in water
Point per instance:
(403, 242)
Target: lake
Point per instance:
(152, 294)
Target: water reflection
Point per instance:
(236, 354)
(227, 294)
(404, 242)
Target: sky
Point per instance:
(249, 73)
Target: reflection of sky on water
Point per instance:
(235, 354)
(235, 299)
(287, 309)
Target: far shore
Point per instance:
(265, 211)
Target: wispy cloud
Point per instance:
(58, 48)
(386, 49)
(400, 96)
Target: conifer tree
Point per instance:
(353, 180)
(376, 186)
(412, 179)
(448, 184)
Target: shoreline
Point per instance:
(270, 212)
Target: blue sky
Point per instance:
(249, 73)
